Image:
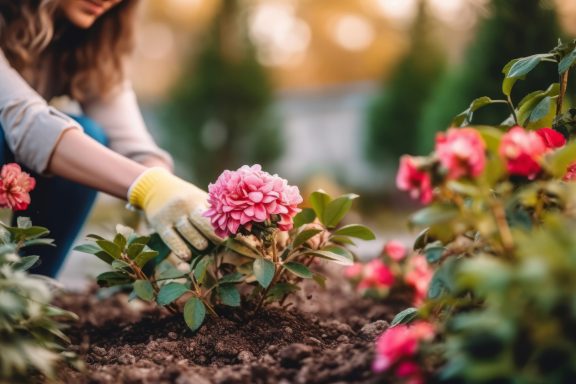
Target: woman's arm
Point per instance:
(79, 158)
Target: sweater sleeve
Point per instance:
(121, 119)
(31, 127)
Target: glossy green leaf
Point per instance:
(319, 201)
(278, 291)
(567, 61)
(332, 256)
(264, 271)
(120, 240)
(121, 265)
(465, 117)
(171, 273)
(526, 64)
(298, 269)
(95, 250)
(557, 162)
(356, 230)
(229, 295)
(343, 240)
(242, 248)
(304, 236)
(134, 250)
(110, 248)
(201, 268)
(434, 253)
(337, 209)
(145, 256)
(541, 109)
(170, 292)
(194, 313)
(25, 263)
(43, 241)
(305, 216)
(405, 317)
(144, 290)
(232, 278)
(110, 279)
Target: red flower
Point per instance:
(15, 187)
(522, 151)
(552, 139)
(461, 151)
(413, 180)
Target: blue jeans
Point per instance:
(58, 204)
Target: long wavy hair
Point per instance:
(87, 63)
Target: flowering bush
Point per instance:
(15, 187)
(394, 271)
(271, 247)
(500, 237)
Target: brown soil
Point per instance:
(324, 337)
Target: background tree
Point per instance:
(219, 116)
(515, 28)
(394, 114)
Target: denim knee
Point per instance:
(92, 129)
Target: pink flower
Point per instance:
(249, 195)
(354, 272)
(570, 173)
(522, 151)
(15, 187)
(410, 372)
(413, 180)
(419, 276)
(461, 151)
(376, 275)
(552, 139)
(400, 343)
(395, 249)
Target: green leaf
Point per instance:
(332, 256)
(541, 109)
(110, 248)
(298, 269)
(241, 248)
(110, 279)
(558, 161)
(95, 250)
(144, 290)
(566, 62)
(232, 278)
(337, 209)
(170, 292)
(508, 82)
(120, 241)
(278, 291)
(194, 313)
(95, 237)
(421, 240)
(29, 243)
(264, 271)
(319, 200)
(121, 265)
(134, 250)
(144, 257)
(229, 295)
(530, 101)
(526, 64)
(304, 236)
(356, 230)
(434, 214)
(491, 136)
(25, 263)
(155, 243)
(344, 240)
(404, 317)
(305, 216)
(201, 268)
(465, 117)
(171, 273)
(434, 253)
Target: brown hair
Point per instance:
(89, 62)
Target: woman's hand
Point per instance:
(174, 209)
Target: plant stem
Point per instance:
(502, 224)
(511, 104)
(563, 86)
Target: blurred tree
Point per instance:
(516, 28)
(393, 116)
(219, 115)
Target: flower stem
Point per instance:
(563, 86)
(502, 225)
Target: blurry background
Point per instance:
(326, 93)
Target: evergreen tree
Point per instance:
(219, 116)
(516, 28)
(393, 116)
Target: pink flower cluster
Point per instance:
(413, 179)
(522, 150)
(374, 275)
(419, 276)
(462, 152)
(15, 187)
(249, 195)
(396, 350)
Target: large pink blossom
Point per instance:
(249, 195)
(462, 152)
(522, 151)
(419, 276)
(410, 178)
(400, 344)
(15, 187)
(395, 250)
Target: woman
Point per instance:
(78, 48)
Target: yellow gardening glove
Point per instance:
(174, 209)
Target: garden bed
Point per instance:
(325, 336)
